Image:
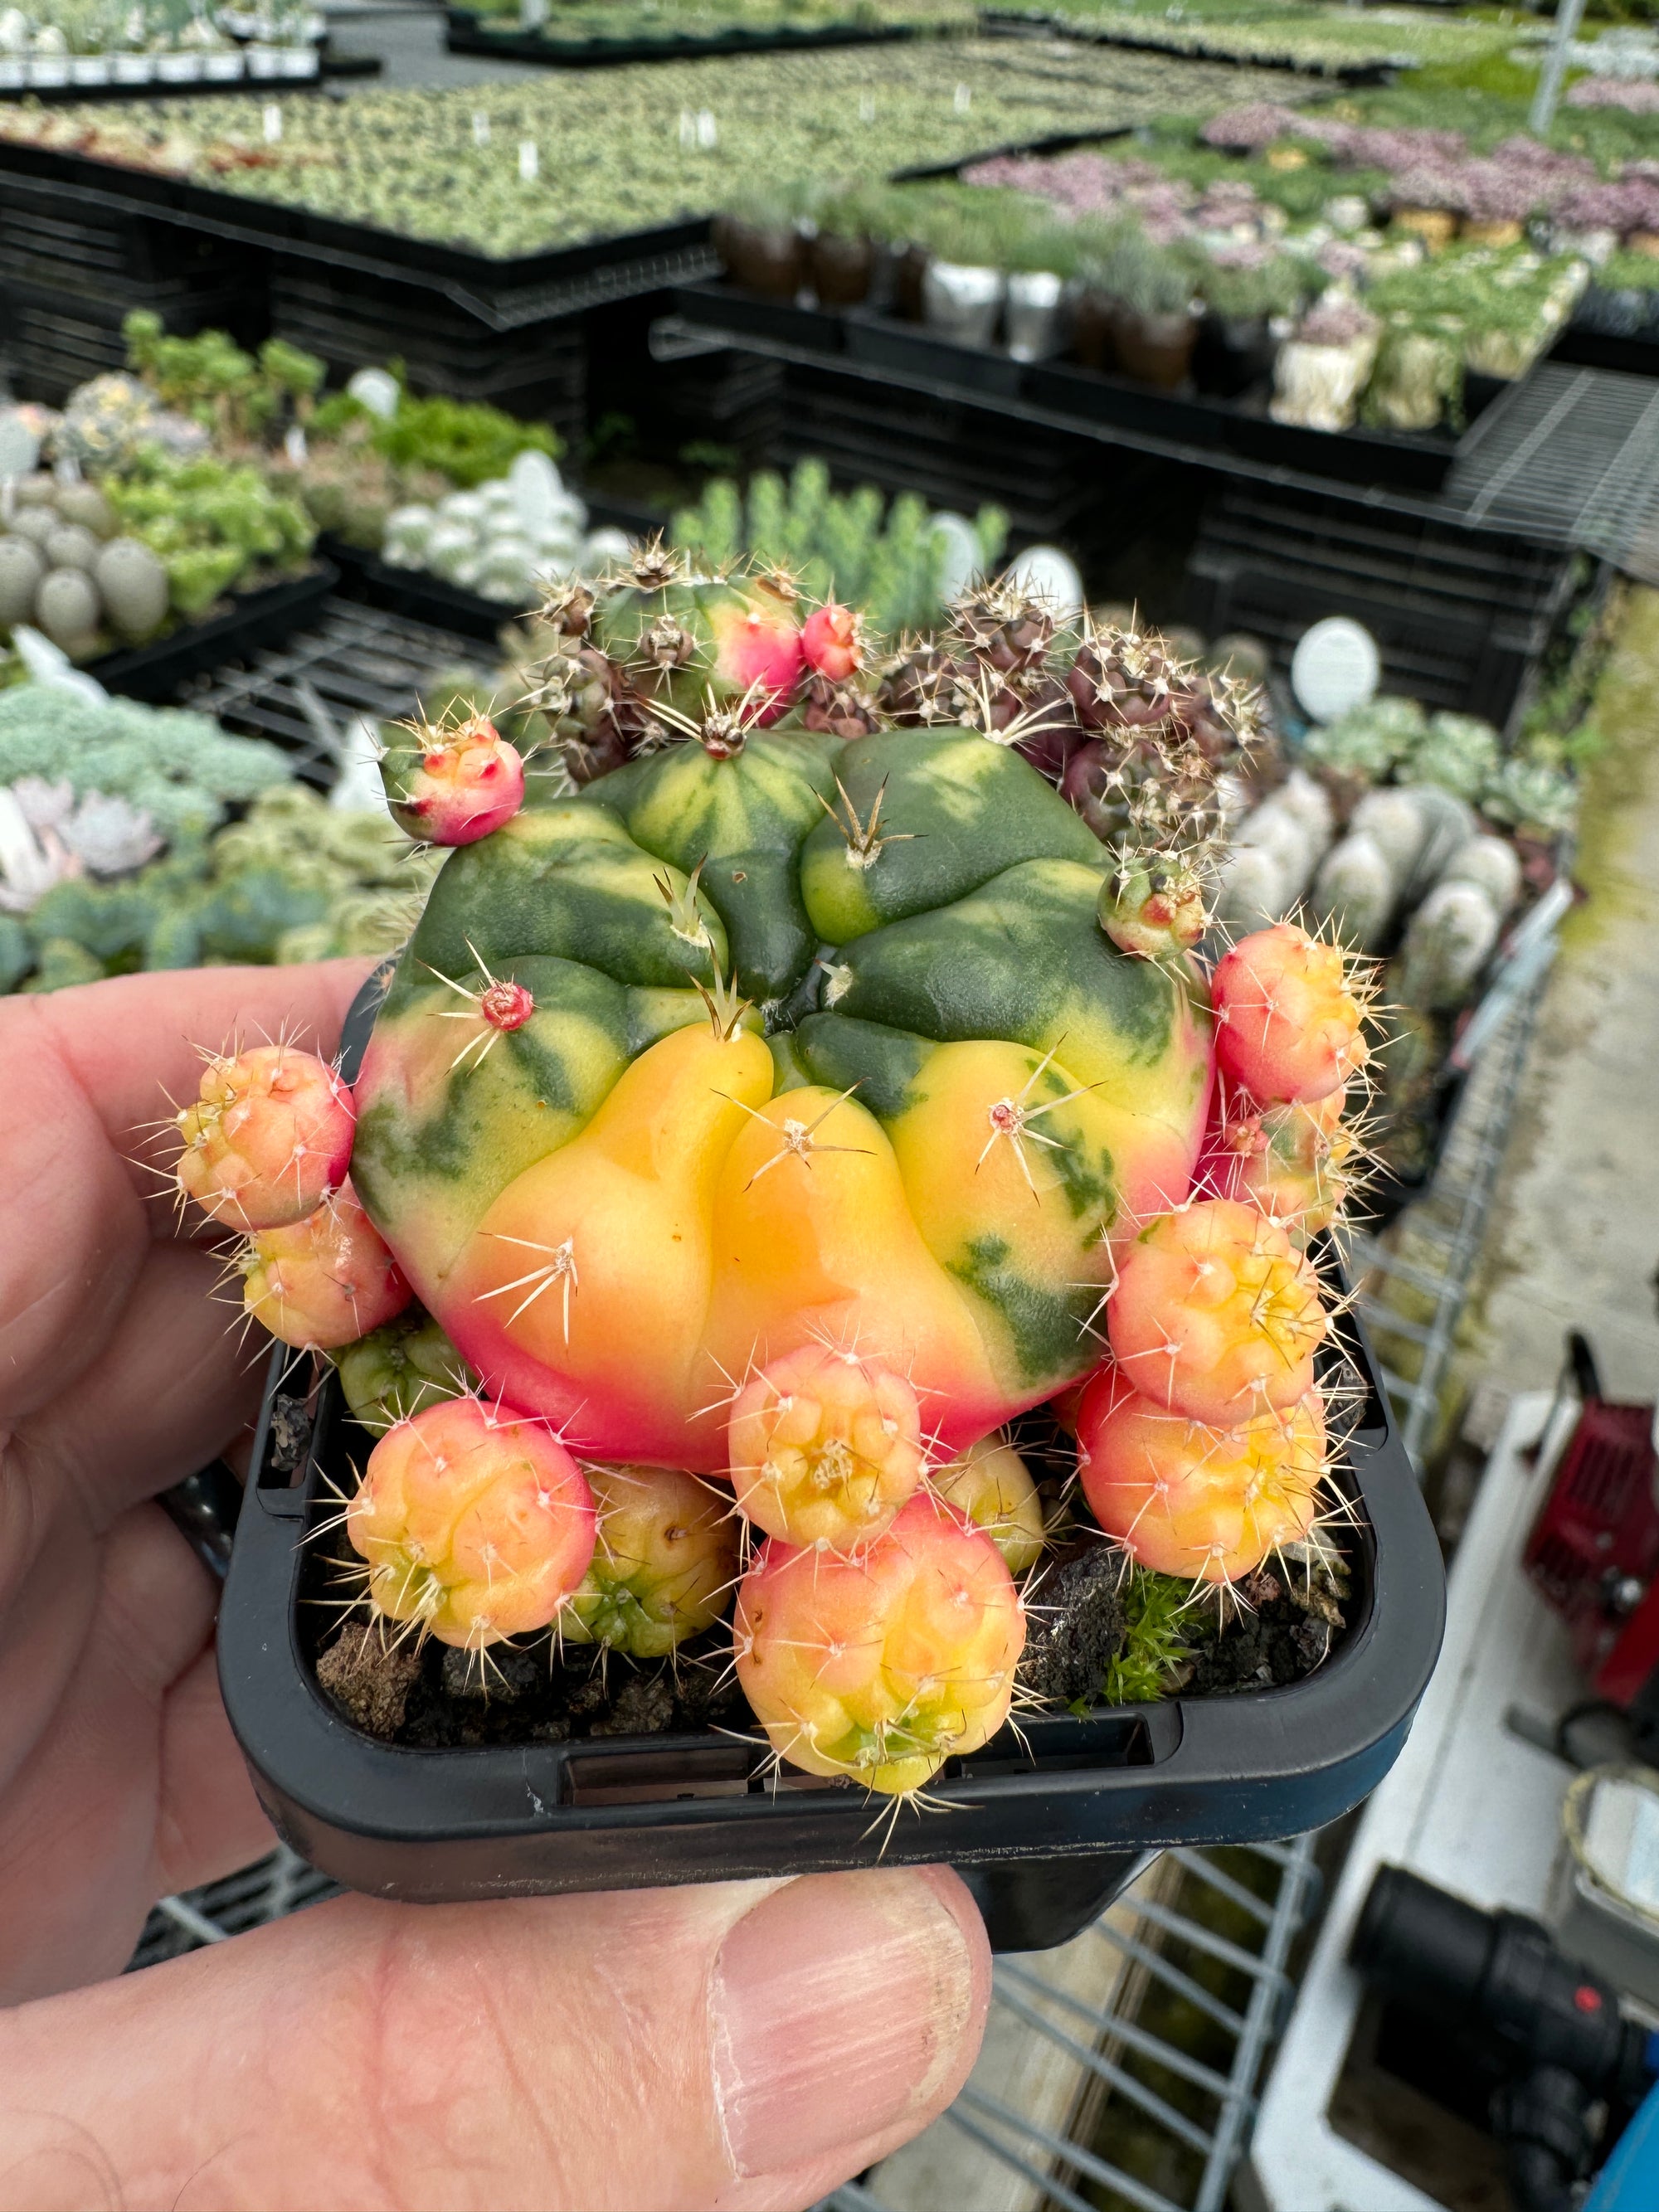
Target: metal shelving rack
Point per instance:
(1104, 2043)
(1412, 1285)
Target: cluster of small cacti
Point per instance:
(767, 1111)
(65, 570)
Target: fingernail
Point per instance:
(843, 2003)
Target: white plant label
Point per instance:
(707, 135)
(294, 444)
(480, 129)
(273, 123)
(532, 13)
(963, 99)
(866, 107)
(688, 127)
(529, 162)
(20, 447)
(1335, 667)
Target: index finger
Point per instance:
(85, 1069)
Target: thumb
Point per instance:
(741, 2044)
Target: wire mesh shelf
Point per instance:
(1413, 1285)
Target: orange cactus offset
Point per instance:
(1289, 1024)
(1184, 1498)
(325, 1281)
(881, 1666)
(825, 1447)
(267, 1138)
(1216, 1315)
(1293, 1162)
(474, 1524)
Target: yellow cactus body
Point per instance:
(990, 1485)
(664, 1562)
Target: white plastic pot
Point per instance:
(89, 68)
(48, 71)
(296, 62)
(223, 69)
(1036, 298)
(133, 69)
(263, 62)
(961, 302)
(178, 69)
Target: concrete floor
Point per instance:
(409, 37)
(1574, 1240)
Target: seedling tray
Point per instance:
(252, 619)
(503, 292)
(1045, 1830)
(874, 345)
(470, 35)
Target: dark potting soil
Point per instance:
(1275, 1631)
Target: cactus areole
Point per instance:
(740, 1050)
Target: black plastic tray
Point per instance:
(468, 34)
(252, 619)
(502, 291)
(416, 594)
(881, 344)
(1045, 1830)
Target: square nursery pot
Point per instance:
(1046, 1826)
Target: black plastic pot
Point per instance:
(1046, 1828)
(250, 621)
(1232, 354)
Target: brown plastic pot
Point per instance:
(1156, 349)
(770, 261)
(841, 269)
(1094, 330)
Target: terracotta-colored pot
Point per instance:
(1156, 349)
(770, 261)
(1094, 330)
(841, 269)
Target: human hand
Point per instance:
(736, 2044)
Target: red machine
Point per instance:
(1594, 1550)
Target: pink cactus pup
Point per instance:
(474, 1524)
(325, 1281)
(1216, 1314)
(451, 784)
(881, 1666)
(757, 650)
(267, 1138)
(832, 643)
(1184, 1498)
(825, 1447)
(1289, 1022)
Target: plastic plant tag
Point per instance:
(377, 390)
(358, 789)
(273, 123)
(958, 552)
(20, 447)
(480, 129)
(529, 162)
(962, 99)
(1335, 668)
(532, 15)
(707, 135)
(294, 444)
(537, 490)
(49, 664)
